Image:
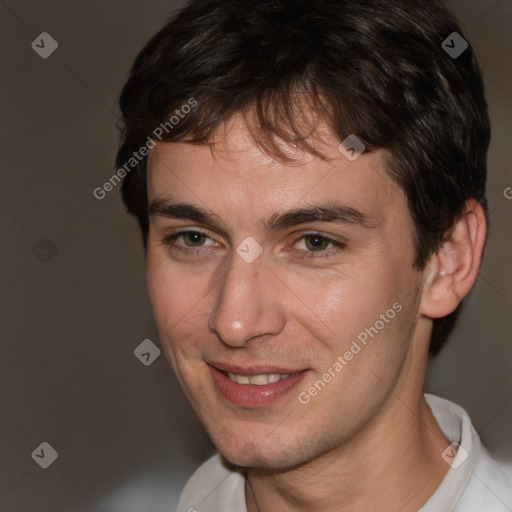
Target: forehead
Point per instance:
(233, 174)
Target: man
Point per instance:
(309, 177)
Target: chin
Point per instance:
(268, 455)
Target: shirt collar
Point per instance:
(456, 426)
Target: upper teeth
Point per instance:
(258, 380)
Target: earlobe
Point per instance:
(452, 270)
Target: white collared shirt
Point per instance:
(475, 482)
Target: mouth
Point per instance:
(256, 385)
(259, 380)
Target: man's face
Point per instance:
(294, 308)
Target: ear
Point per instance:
(452, 270)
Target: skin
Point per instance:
(368, 440)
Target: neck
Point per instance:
(393, 463)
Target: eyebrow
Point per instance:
(325, 212)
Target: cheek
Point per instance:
(336, 306)
(176, 299)
(179, 314)
(162, 293)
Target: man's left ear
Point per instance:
(452, 270)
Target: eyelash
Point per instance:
(337, 245)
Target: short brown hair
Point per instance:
(372, 68)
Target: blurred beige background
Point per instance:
(73, 302)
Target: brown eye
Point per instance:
(194, 237)
(191, 242)
(315, 246)
(316, 242)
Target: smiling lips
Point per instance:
(254, 385)
(258, 380)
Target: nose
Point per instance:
(246, 303)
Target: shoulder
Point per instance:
(214, 487)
